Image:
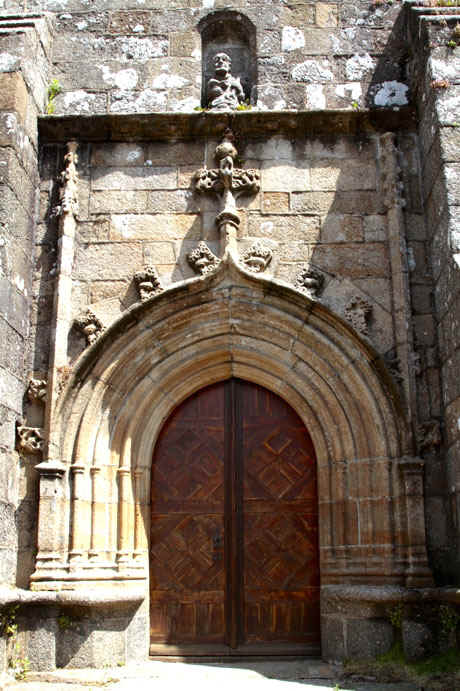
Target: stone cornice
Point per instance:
(173, 126)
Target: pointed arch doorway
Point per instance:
(234, 565)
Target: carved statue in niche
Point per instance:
(224, 92)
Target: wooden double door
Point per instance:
(234, 545)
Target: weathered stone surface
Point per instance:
(154, 227)
(136, 178)
(342, 228)
(296, 228)
(417, 639)
(13, 94)
(368, 638)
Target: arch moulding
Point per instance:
(95, 483)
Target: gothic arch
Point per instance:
(230, 323)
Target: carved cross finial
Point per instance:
(227, 183)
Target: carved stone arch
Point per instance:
(226, 324)
(231, 32)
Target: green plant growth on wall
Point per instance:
(53, 90)
(17, 661)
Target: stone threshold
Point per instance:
(263, 124)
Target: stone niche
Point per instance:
(234, 34)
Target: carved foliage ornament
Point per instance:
(429, 435)
(202, 260)
(358, 312)
(257, 257)
(148, 282)
(309, 281)
(69, 183)
(36, 391)
(30, 439)
(90, 325)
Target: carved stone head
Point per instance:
(222, 65)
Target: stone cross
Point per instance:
(228, 183)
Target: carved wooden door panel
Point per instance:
(234, 556)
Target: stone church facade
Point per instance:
(229, 375)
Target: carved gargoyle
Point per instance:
(148, 282)
(257, 257)
(202, 260)
(30, 439)
(90, 325)
(36, 391)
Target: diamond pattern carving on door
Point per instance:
(234, 467)
(187, 580)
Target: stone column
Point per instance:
(98, 522)
(419, 573)
(51, 516)
(79, 515)
(140, 536)
(62, 318)
(125, 516)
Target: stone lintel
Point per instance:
(173, 126)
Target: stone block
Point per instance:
(418, 640)
(326, 14)
(135, 178)
(284, 178)
(154, 227)
(313, 202)
(13, 94)
(135, 22)
(352, 260)
(184, 44)
(41, 644)
(107, 262)
(284, 228)
(118, 202)
(342, 228)
(449, 143)
(375, 228)
(12, 351)
(160, 252)
(118, 155)
(332, 638)
(275, 202)
(173, 202)
(137, 638)
(350, 175)
(368, 638)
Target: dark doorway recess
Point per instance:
(234, 542)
